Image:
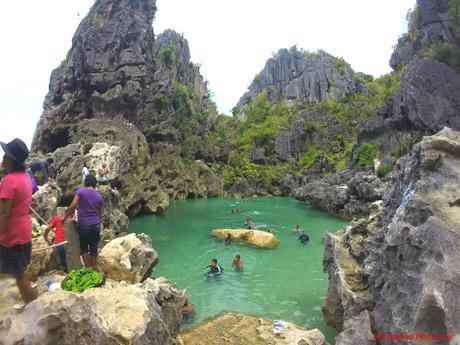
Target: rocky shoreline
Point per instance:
(394, 273)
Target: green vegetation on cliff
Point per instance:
(327, 128)
(167, 55)
(454, 14)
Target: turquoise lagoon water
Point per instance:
(284, 283)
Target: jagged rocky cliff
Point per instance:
(123, 96)
(397, 272)
(433, 32)
(294, 74)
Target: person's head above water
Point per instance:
(238, 257)
(297, 226)
(214, 262)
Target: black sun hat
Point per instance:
(16, 149)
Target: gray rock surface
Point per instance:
(45, 201)
(115, 70)
(430, 91)
(400, 265)
(136, 101)
(293, 75)
(430, 25)
(427, 100)
(147, 313)
(359, 332)
(346, 194)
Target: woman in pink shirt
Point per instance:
(15, 222)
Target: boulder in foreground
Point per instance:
(257, 238)
(115, 314)
(130, 258)
(235, 328)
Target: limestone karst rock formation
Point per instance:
(293, 75)
(137, 314)
(401, 267)
(124, 96)
(130, 258)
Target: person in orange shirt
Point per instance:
(15, 221)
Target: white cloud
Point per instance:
(231, 39)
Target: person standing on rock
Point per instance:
(56, 223)
(84, 172)
(102, 172)
(15, 221)
(88, 202)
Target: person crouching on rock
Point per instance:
(88, 202)
(15, 221)
(56, 223)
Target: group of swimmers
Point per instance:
(303, 235)
(215, 269)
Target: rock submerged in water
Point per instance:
(257, 238)
(235, 328)
(139, 314)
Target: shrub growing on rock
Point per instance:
(365, 154)
(384, 170)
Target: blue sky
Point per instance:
(230, 39)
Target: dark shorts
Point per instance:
(89, 238)
(14, 260)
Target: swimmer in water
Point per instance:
(214, 269)
(304, 238)
(238, 263)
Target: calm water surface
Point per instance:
(285, 283)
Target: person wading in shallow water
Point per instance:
(88, 202)
(15, 221)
